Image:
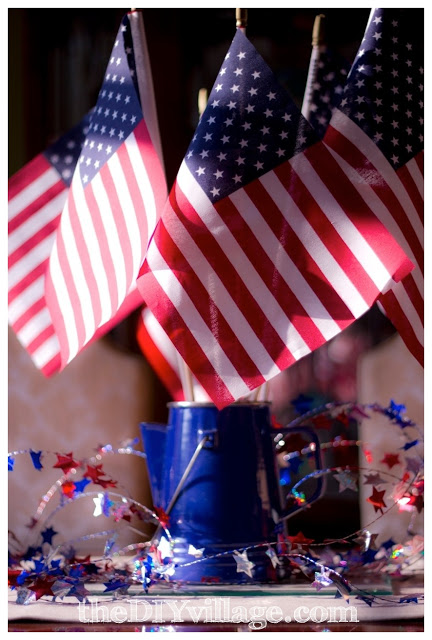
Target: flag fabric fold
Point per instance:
(114, 201)
(265, 249)
(376, 138)
(164, 358)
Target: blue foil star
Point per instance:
(81, 485)
(106, 505)
(48, 534)
(396, 409)
(408, 600)
(302, 404)
(408, 445)
(116, 585)
(368, 599)
(39, 566)
(388, 544)
(285, 477)
(295, 463)
(369, 556)
(35, 456)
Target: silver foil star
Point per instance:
(243, 563)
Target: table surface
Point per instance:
(196, 609)
(415, 625)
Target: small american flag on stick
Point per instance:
(376, 137)
(37, 195)
(265, 250)
(327, 75)
(114, 201)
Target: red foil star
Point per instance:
(274, 423)
(416, 501)
(68, 489)
(390, 459)
(368, 456)
(163, 517)
(13, 576)
(321, 422)
(33, 522)
(343, 418)
(66, 463)
(106, 482)
(300, 541)
(42, 586)
(376, 499)
(94, 473)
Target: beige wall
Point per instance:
(99, 398)
(389, 372)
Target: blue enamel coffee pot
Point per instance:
(215, 473)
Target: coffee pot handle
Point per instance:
(315, 452)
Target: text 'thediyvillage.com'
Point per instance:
(209, 610)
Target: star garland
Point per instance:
(49, 570)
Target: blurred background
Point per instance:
(57, 59)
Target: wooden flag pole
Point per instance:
(202, 101)
(318, 44)
(148, 105)
(185, 372)
(186, 379)
(241, 19)
(145, 79)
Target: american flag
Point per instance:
(114, 201)
(264, 250)
(37, 195)
(377, 132)
(328, 75)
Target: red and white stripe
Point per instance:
(36, 199)
(396, 198)
(164, 358)
(247, 286)
(102, 240)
